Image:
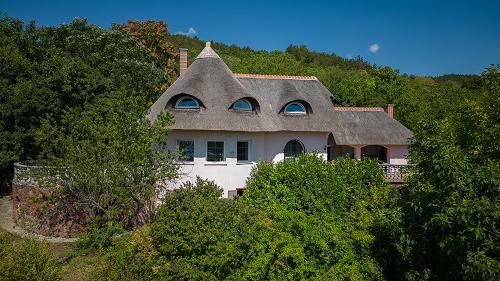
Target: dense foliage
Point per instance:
(82, 92)
(110, 170)
(324, 219)
(26, 260)
(452, 201)
(49, 69)
(197, 236)
(289, 225)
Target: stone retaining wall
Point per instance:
(36, 210)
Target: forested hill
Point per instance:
(305, 56)
(352, 82)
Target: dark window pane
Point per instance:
(215, 151)
(293, 149)
(242, 151)
(186, 150)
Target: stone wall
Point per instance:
(36, 210)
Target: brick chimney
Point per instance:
(389, 109)
(183, 63)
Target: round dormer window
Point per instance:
(187, 103)
(242, 105)
(295, 108)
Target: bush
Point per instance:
(26, 260)
(131, 257)
(197, 235)
(322, 219)
(98, 238)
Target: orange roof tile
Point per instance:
(242, 75)
(358, 108)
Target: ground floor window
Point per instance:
(242, 148)
(293, 149)
(215, 151)
(185, 149)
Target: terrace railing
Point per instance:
(394, 173)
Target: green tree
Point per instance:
(322, 220)
(50, 69)
(451, 202)
(111, 159)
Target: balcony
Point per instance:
(394, 174)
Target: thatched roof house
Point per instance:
(209, 101)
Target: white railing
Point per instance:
(394, 173)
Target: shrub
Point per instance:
(26, 260)
(197, 235)
(322, 219)
(131, 257)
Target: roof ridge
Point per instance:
(272, 76)
(207, 52)
(366, 108)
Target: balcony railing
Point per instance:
(394, 173)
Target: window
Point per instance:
(295, 108)
(186, 150)
(187, 103)
(293, 149)
(242, 105)
(215, 151)
(242, 151)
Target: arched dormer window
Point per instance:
(245, 105)
(187, 103)
(295, 108)
(242, 105)
(293, 149)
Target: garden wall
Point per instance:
(36, 209)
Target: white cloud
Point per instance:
(191, 32)
(349, 56)
(374, 48)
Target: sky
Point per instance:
(422, 37)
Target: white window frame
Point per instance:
(243, 109)
(186, 107)
(295, 112)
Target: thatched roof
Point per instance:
(209, 80)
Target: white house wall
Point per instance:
(229, 174)
(398, 154)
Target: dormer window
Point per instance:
(187, 103)
(242, 105)
(295, 108)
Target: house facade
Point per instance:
(225, 123)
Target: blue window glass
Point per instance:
(187, 102)
(295, 107)
(243, 105)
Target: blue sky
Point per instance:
(418, 37)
